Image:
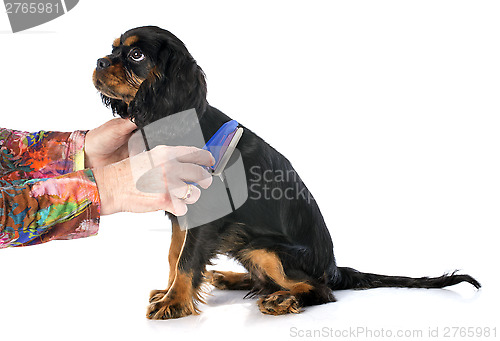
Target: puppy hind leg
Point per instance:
(267, 266)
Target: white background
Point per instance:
(389, 111)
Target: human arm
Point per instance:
(167, 181)
(42, 154)
(42, 198)
(45, 154)
(39, 210)
(69, 206)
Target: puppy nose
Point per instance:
(103, 63)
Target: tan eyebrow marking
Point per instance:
(131, 40)
(116, 42)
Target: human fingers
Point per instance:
(181, 196)
(178, 189)
(178, 207)
(194, 155)
(121, 126)
(191, 194)
(161, 154)
(189, 172)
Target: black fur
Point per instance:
(292, 229)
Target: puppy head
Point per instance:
(149, 75)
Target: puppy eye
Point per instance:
(136, 55)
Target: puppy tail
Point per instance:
(352, 279)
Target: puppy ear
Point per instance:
(175, 83)
(117, 106)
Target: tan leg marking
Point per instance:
(176, 245)
(267, 264)
(178, 302)
(229, 280)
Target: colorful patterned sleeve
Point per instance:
(44, 195)
(39, 155)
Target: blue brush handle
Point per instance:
(217, 142)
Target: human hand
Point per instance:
(108, 143)
(165, 183)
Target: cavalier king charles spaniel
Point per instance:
(283, 243)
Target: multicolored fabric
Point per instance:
(44, 196)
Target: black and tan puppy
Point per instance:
(283, 243)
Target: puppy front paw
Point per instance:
(165, 308)
(157, 295)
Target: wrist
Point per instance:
(107, 185)
(87, 155)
